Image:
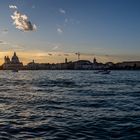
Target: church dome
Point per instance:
(15, 59)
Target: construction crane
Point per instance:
(78, 54)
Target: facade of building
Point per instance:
(83, 65)
(32, 65)
(12, 64)
(128, 65)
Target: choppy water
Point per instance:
(80, 105)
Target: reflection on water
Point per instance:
(69, 105)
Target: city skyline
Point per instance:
(14, 63)
(108, 30)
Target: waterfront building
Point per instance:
(128, 65)
(32, 65)
(83, 65)
(94, 61)
(96, 65)
(12, 64)
(66, 60)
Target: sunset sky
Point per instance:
(50, 30)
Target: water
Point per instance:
(69, 105)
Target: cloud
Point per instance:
(62, 11)
(10, 46)
(59, 30)
(5, 31)
(33, 7)
(49, 54)
(3, 42)
(18, 47)
(66, 20)
(22, 23)
(55, 47)
(13, 7)
(66, 54)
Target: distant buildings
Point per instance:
(83, 65)
(32, 65)
(128, 65)
(14, 63)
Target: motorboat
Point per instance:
(102, 72)
(106, 72)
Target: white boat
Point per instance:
(102, 72)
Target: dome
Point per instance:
(15, 59)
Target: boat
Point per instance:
(102, 72)
(96, 72)
(106, 72)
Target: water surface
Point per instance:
(69, 105)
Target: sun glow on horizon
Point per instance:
(56, 57)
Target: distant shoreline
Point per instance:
(15, 64)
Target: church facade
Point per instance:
(12, 64)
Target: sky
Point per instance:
(48, 31)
